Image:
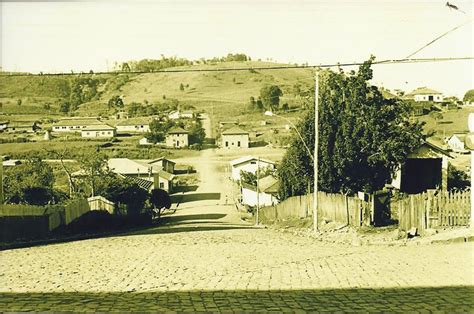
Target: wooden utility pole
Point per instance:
(315, 159)
(258, 189)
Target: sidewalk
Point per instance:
(390, 235)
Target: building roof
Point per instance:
(135, 121)
(11, 163)
(98, 127)
(246, 159)
(423, 91)
(429, 150)
(143, 183)
(78, 122)
(166, 175)
(127, 166)
(235, 131)
(151, 162)
(268, 184)
(460, 136)
(21, 124)
(177, 130)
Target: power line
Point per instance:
(439, 37)
(330, 65)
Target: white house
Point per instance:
(165, 164)
(177, 137)
(235, 138)
(75, 125)
(267, 196)
(144, 141)
(456, 143)
(174, 115)
(3, 125)
(21, 127)
(146, 175)
(134, 125)
(425, 94)
(98, 131)
(249, 164)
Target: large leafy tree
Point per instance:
(270, 96)
(363, 137)
(30, 183)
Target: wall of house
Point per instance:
(162, 183)
(456, 145)
(250, 166)
(95, 134)
(141, 128)
(249, 197)
(233, 141)
(435, 98)
(177, 140)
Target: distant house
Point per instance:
(425, 168)
(98, 131)
(121, 115)
(144, 141)
(139, 124)
(235, 138)
(249, 164)
(425, 94)
(228, 123)
(3, 125)
(165, 164)
(456, 143)
(181, 114)
(11, 163)
(146, 175)
(267, 192)
(177, 137)
(21, 127)
(75, 125)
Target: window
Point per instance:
(238, 143)
(226, 144)
(162, 185)
(253, 162)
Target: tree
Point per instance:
(196, 133)
(270, 96)
(363, 138)
(158, 130)
(252, 104)
(115, 101)
(181, 87)
(64, 107)
(457, 179)
(469, 96)
(259, 104)
(95, 169)
(31, 183)
(19, 102)
(160, 199)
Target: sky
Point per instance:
(56, 36)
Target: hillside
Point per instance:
(227, 93)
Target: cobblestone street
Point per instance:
(204, 258)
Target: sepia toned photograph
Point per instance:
(237, 156)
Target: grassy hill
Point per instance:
(223, 93)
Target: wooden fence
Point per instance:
(433, 209)
(332, 207)
(101, 203)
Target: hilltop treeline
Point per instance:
(150, 65)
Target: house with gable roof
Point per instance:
(177, 137)
(425, 94)
(235, 137)
(249, 164)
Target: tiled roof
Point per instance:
(135, 121)
(177, 130)
(423, 91)
(234, 131)
(245, 159)
(78, 122)
(98, 127)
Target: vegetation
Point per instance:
(363, 137)
(270, 96)
(457, 179)
(469, 96)
(31, 183)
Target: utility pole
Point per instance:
(315, 159)
(258, 189)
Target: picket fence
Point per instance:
(433, 209)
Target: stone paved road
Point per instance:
(205, 259)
